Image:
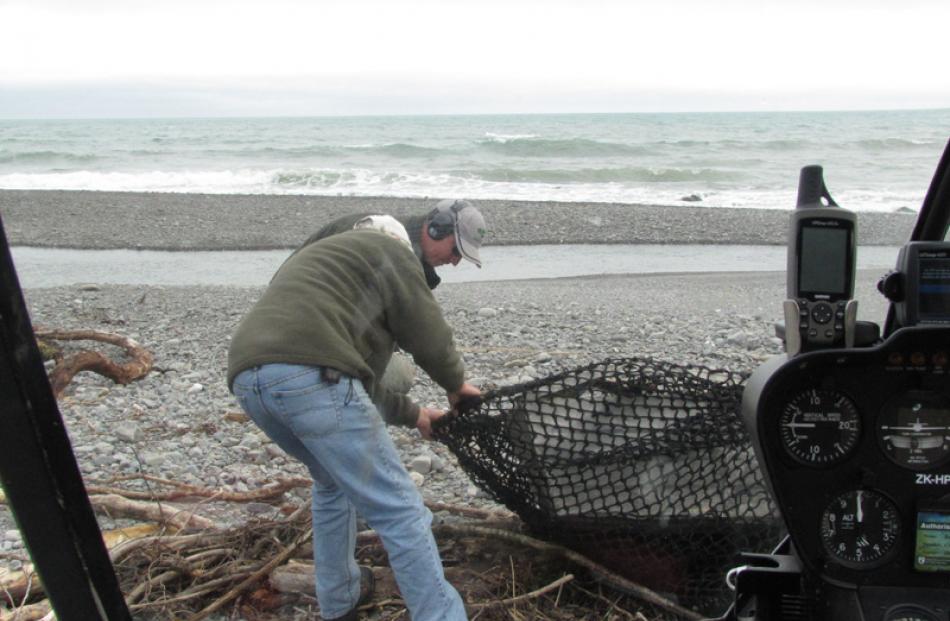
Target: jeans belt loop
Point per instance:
(330, 376)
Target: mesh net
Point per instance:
(641, 465)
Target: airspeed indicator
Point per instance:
(819, 427)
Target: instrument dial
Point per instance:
(914, 430)
(859, 528)
(819, 427)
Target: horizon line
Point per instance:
(159, 117)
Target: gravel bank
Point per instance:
(174, 423)
(164, 221)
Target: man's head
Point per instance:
(453, 230)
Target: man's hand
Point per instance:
(427, 416)
(467, 390)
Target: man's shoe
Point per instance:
(367, 587)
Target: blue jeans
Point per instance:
(337, 432)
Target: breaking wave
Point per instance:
(530, 146)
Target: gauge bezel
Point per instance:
(870, 563)
(890, 408)
(901, 612)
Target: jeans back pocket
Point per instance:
(312, 410)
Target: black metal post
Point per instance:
(40, 476)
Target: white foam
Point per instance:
(213, 182)
(413, 184)
(503, 138)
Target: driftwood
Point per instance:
(253, 566)
(24, 585)
(295, 577)
(19, 587)
(183, 491)
(177, 519)
(67, 367)
(253, 578)
(28, 612)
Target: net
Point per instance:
(643, 466)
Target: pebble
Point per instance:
(421, 464)
(128, 432)
(151, 458)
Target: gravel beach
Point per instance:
(165, 221)
(178, 422)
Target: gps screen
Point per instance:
(823, 266)
(934, 289)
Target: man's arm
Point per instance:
(417, 324)
(396, 408)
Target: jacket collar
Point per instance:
(414, 226)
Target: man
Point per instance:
(450, 216)
(304, 363)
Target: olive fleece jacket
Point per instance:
(413, 226)
(344, 302)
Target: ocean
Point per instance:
(873, 161)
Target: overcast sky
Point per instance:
(129, 58)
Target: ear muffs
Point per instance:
(442, 223)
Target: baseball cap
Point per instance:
(469, 227)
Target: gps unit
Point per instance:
(819, 312)
(923, 293)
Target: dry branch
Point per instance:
(480, 514)
(253, 578)
(20, 587)
(511, 601)
(66, 368)
(269, 492)
(293, 578)
(183, 490)
(194, 592)
(167, 542)
(145, 587)
(29, 612)
(211, 570)
(179, 519)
